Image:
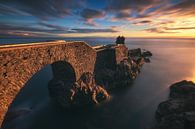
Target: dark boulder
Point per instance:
(146, 54)
(135, 52)
(126, 71)
(147, 60)
(182, 89)
(138, 53)
(175, 121)
(179, 111)
(175, 106)
(83, 92)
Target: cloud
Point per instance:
(46, 30)
(53, 27)
(139, 5)
(185, 7)
(88, 15)
(4, 9)
(124, 9)
(155, 30)
(43, 9)
(181, 28)
(41, 30)
(133, 10)
(91, 13)
(83, 30)
(159, 16)
(142, 22)
(18, 28)
(123, 14)
(168, 30)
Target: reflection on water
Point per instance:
(130, 108)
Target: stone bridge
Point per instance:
(69, 60)
(20, 62)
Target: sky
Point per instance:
(97, 18)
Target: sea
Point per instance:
(132, 107)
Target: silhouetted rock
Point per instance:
(139, 53)
(179, 111)
(146, 54)
(126, 71)
(83, 92)
(171, 122)
(182, 89)
(135, 52)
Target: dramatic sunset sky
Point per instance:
(97, 18)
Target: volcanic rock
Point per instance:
(83, 92)
(178, 112)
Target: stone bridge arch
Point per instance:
(18, 63)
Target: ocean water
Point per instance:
(130, 108)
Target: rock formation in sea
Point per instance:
(82, 92)
(116, 67)
(178, 112)
(124, 72)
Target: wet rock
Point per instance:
(175, 106)
(146, 54)
(175, 121)
(182, 89)
(126, 71)
(147, 60)
(190, 119)
(138, 53)
(135, 52)
(83, 92)
(105, 77)
(178, 112)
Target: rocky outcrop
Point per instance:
(83, 92)
(124, 72)
(179, 111)
(137, 53)
(114, 68)
(183, 89)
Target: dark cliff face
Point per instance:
(106, 63)
(115, 67)
(109, 56)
